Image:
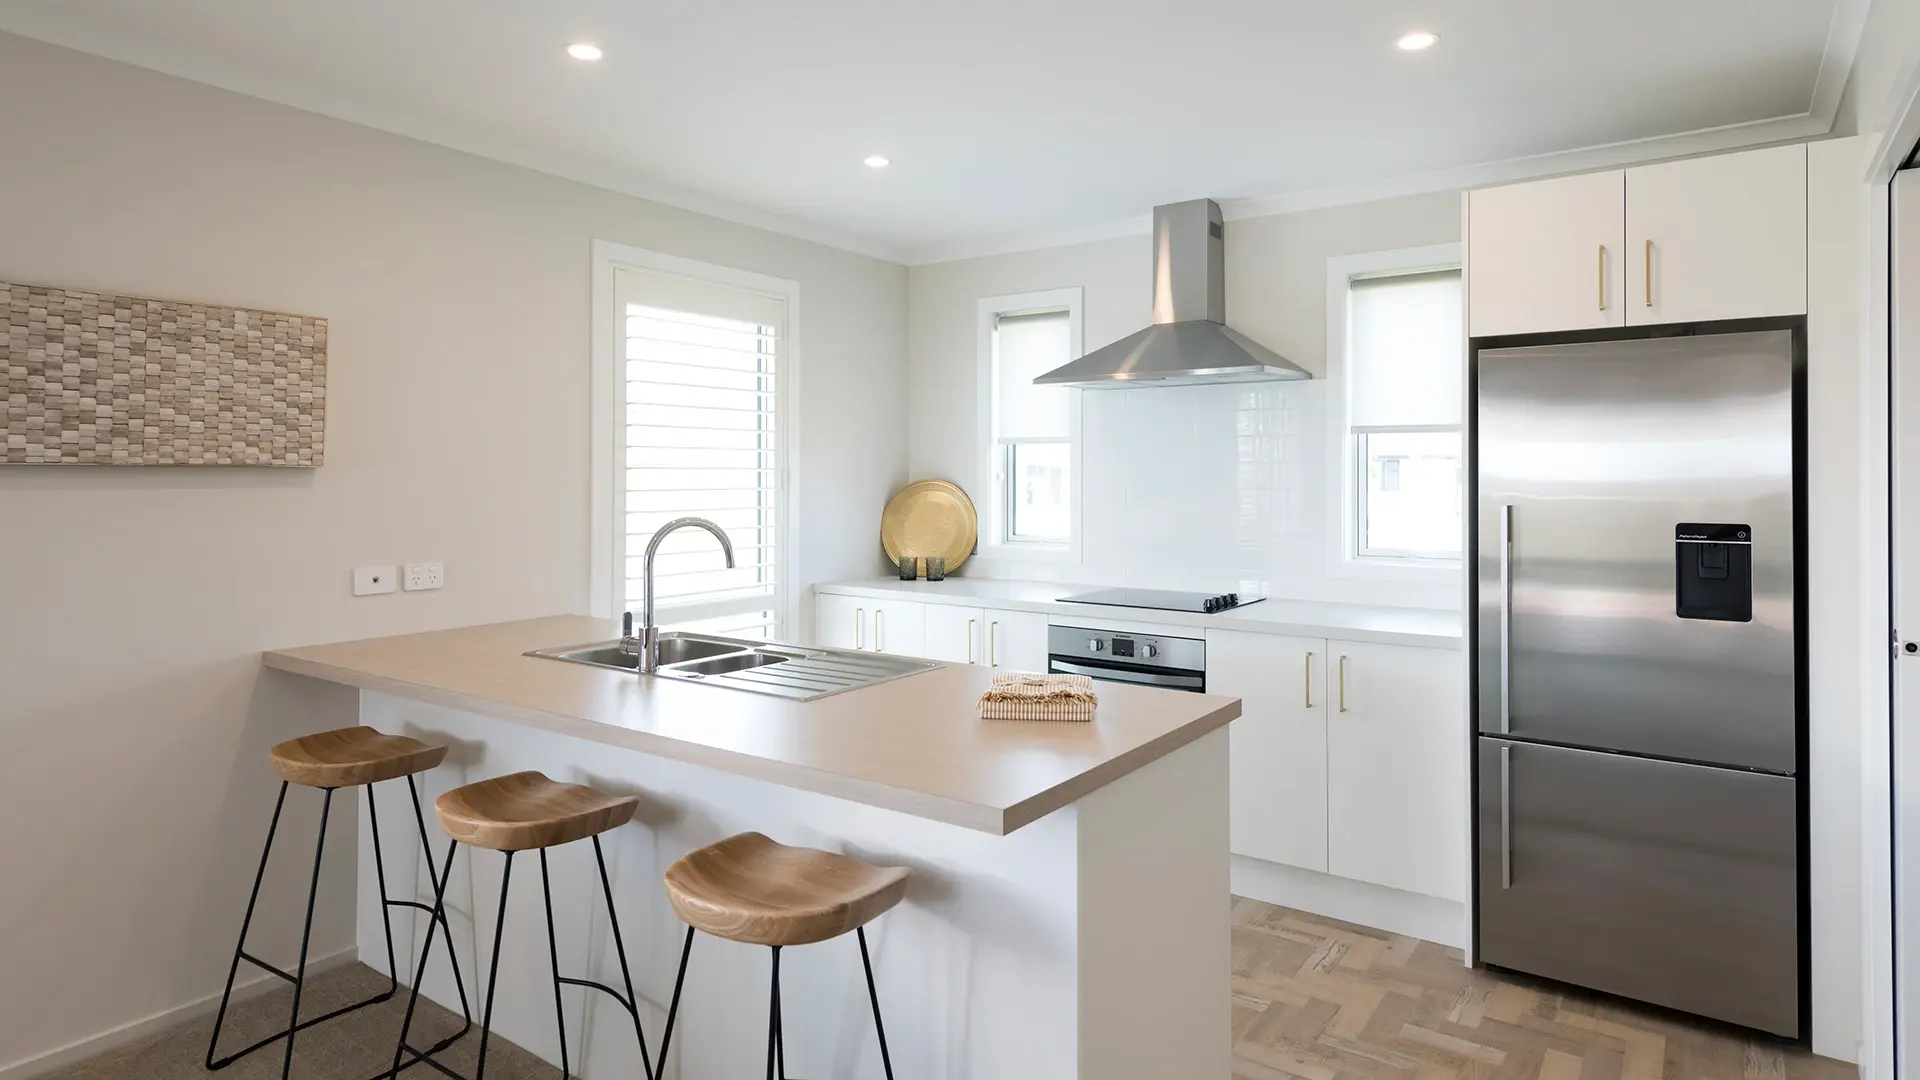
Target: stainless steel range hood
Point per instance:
(1189, 341)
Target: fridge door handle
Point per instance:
(1506, 817)
(1506, 617)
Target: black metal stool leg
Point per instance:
(493, 975)
(240, 949)
(673, 1009)
(626, 976)
(386, 905)
(306, 934)
(439, 917)
(400, 1047)
(773, 1014)
(553, 955)
(874, 996)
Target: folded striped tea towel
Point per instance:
(1039, 697)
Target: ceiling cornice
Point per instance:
(83, 35)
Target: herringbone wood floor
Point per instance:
(1318, 999)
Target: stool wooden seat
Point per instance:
(751, 889)
(350, 757)
(526, 810)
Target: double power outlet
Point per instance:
(376, 580)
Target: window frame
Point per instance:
(607, 553)
(995, 455)
(1347, 556)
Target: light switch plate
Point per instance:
(424, 575)
(374, 580)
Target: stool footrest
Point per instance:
(264, 966)
(607, 990)
(302, 1025)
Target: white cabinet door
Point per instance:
(1396, 767)
(1278, 746)
(1016, 640)
(1547, 255)
(955, 635)
(1718, 237)
(842, 622)
(898, 626)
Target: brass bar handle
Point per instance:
(971, 623)
(1649, 271)
(1601, 277)
(993, 643)
(1343, 684)
(879, 631)
(859, 628)
(1306, 680)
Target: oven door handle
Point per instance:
(1138, 678)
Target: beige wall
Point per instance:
(1276, 270)
(133, 713)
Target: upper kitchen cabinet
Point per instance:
(1547, 256)
(1717, 238)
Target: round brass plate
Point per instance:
(929, 517)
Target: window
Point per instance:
(1402, 371)
(1031, 429)
(701, 375)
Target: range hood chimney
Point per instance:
(1189, 341)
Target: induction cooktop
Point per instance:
(1163, 600)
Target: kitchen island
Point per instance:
(1067, 914)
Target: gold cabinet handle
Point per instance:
(1601, 277)
(859, 628)
(879, 631)
(1649, 272)
(1306, 680)
(1343, 684)
(971, 623)
(993, 643)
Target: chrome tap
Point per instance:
(647, 644)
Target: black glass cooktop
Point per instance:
(1163, 600)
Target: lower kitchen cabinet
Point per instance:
(1396, 767)
(955, 635)
(1349, 758)
(899, 626)
(1016, 640)
(1278, 747)
(858, 622)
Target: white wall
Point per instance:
(133, 711)
(1204, 487)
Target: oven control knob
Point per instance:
(1149, 650)
(1096, 645)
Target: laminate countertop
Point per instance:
(1421, 627)
(914, 745)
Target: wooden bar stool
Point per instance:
(520, 812)
(750, 889)
(330, 760)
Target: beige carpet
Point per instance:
(356, 1046)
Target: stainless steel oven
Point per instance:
(1172, 663)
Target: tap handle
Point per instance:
(626, 624)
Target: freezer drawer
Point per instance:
(1667, 883)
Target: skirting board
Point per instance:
(136, 1030)
(1426, 917)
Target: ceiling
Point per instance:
(1010, 122)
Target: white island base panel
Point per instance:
(1092, 943)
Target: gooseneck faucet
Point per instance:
(648, 643)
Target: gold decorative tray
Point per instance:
(929, 517)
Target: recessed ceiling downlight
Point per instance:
(581, 50)
(878, 161)
(1418, 40)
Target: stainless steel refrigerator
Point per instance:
(1639, 674)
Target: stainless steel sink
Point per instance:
(753, 666)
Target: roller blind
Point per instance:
(703, 437)
(1024, 347)
(1405, 349)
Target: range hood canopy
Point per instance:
(1189, 341)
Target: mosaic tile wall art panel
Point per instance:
(92, 379)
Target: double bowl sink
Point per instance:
(753, 666)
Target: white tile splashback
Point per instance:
(1212, 487)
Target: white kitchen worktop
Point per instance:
(1296, 618)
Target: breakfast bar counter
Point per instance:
(1066, 914)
